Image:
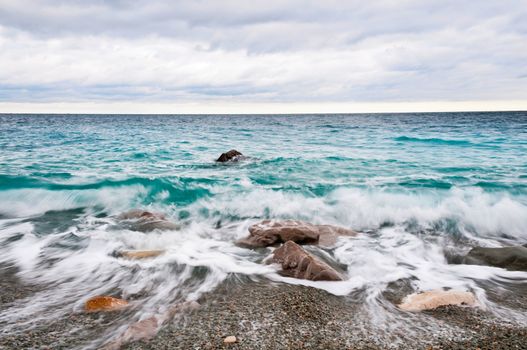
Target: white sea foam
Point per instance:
(473, 210)
(202, 254)
(27, 202)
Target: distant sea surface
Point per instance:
(418, 187)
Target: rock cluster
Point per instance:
(294, 260)
(271, 232)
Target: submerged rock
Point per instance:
(511, 258)
(270, 232)
(145, 221)
(232, 155)
(298, 263)
(104, 303)
(148, 327)
(139, 254)
(435, 298)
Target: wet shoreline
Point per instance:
(279, 316)
(268, 315)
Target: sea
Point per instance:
(419, 188)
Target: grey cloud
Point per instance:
(385, 50)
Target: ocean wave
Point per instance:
(473, 210)
(403, 236)
(434, 141)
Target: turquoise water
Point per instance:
(417, 186)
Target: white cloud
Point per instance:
(245, 52)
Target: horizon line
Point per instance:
(260, 108)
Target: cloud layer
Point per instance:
(273, 51)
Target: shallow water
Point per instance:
(418, 188)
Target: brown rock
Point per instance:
(435, 298)
(270, 232)
(140, 214)
(104, 303)
(145, 221)
(298, 263)
(232, 155)
(139, 254)
(329, 234)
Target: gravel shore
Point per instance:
(266, 316)
(263, 315)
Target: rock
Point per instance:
(433, 299)
(140, 214)
(511, 258)
(298, 263)
(329, 234)
(145, 221)
(270, 232)
(179, 308)
(104, 303)
(139, 254)
(148, 327)
(233, 155)
(231, 339)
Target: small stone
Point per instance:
(104, 303)
(231, 339)
(139, 254)
(432, 299)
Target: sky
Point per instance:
(239, 56)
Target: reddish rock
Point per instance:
(270, 232)
(148, 327)
(104, 303)
(298, 263)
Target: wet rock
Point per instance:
(271, 232)
(147, 328)
(139, 254)
(104, 303)
(435, 298)
(140, 214)
(232, 155)
(511, 258)
(298, 263)
(145, 221)
(231, 339)
(329, 234)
